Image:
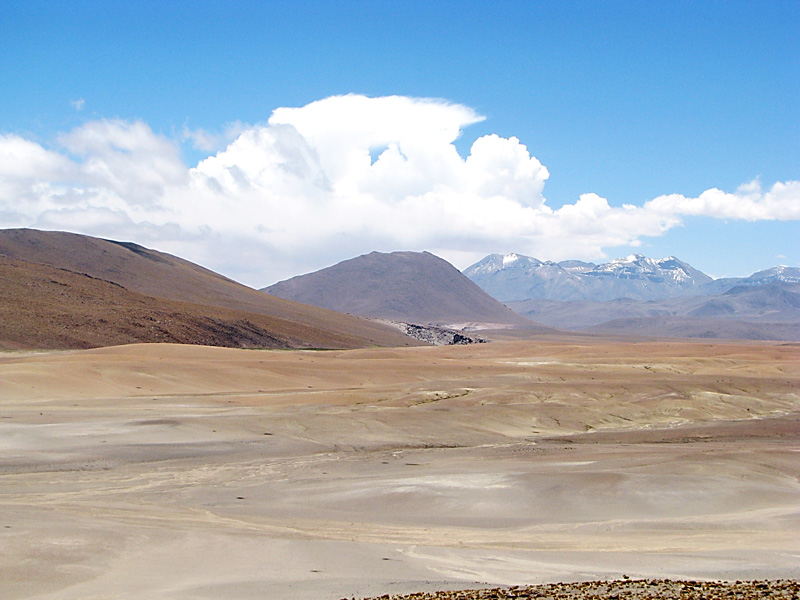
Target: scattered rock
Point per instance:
(626, 589)
(438, 336)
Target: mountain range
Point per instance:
(517, 277)
(637, 295)
(64, 290)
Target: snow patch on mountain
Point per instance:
(781, 273)
(515, 276)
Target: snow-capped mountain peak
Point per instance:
(497, 262)
(669, 269)
(781, 273)
(515, 276)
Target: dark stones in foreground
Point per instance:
(626, 589)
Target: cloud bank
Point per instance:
(330, 180)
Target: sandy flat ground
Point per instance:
(180, 472)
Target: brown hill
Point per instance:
(46, 307)
(415, 287)
(765, 312)
(198, 302)
(698, 327)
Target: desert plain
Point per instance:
(187, 472)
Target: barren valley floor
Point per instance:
(184, 472)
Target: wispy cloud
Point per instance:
(335, 178)
(78, 104)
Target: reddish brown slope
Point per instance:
(46, 307)
(168, 278)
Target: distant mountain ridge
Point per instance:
(779, 274)
(64, 290)
(515, 277)
(414, 287)
(636, 295)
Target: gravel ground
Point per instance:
(643, 589)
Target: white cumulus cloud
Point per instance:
(327, 181)
(749, 203)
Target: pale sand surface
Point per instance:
(182, 472)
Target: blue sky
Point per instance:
(629, 101)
